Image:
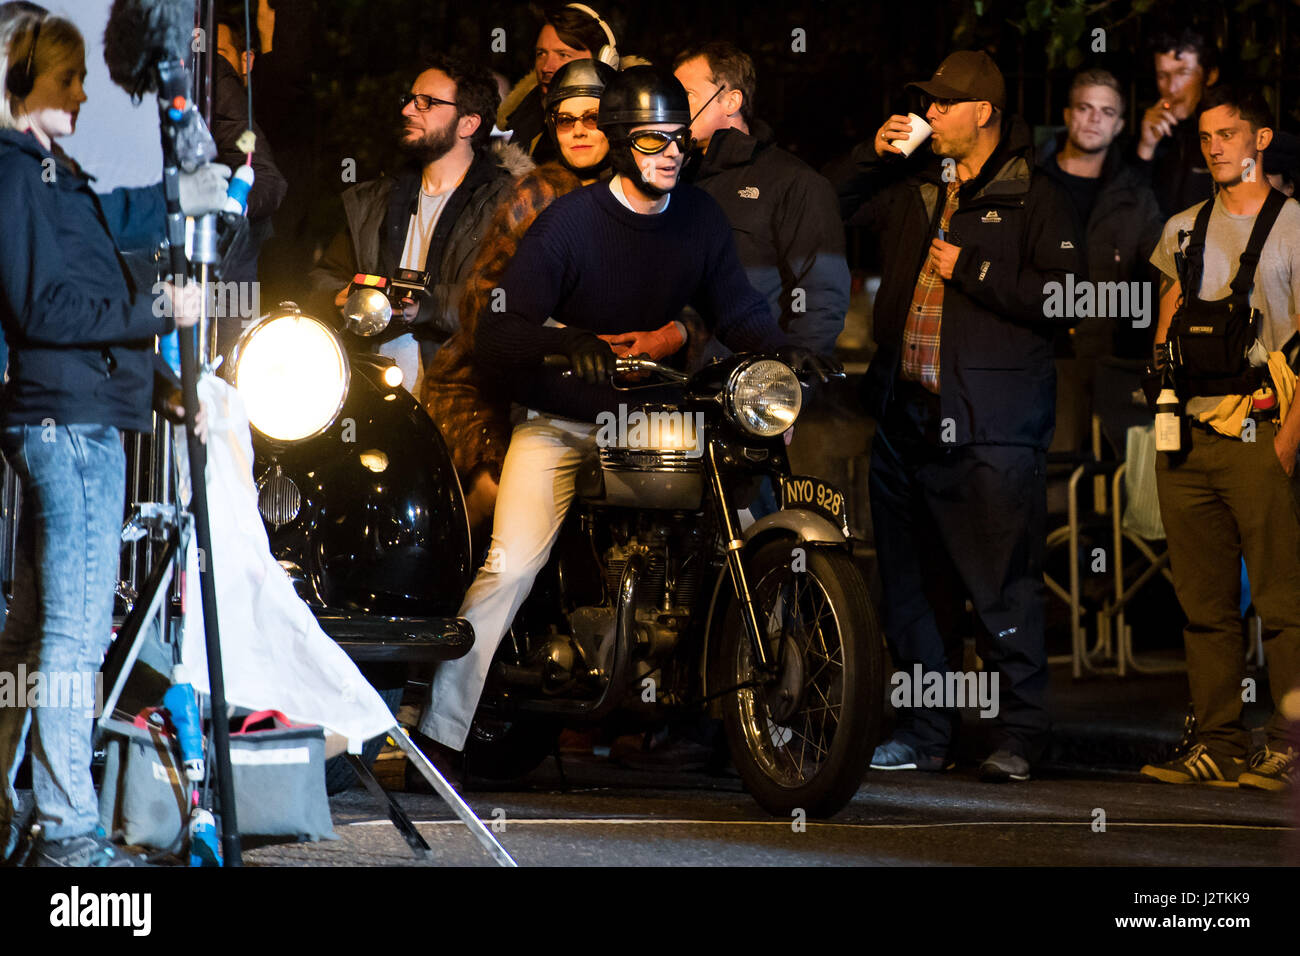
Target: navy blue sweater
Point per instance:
(80, 332)
(594, 265)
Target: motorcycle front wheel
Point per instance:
(801, 734)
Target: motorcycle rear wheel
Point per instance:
(802, 739)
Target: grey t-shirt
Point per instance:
(1277, 277)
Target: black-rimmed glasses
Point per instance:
(423, 102)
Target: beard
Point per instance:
(432, 146)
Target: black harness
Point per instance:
(1210, 340)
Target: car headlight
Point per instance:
(292, 373)
(763, 397)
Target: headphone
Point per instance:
(21, 79)
(608, 54)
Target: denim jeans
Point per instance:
(60, 622)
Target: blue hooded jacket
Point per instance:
(80, 331)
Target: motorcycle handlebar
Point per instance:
(622, 366)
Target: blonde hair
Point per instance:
(59, 41)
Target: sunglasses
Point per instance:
(423, 102)
(652, 141)
(566, 121)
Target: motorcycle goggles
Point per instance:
(653, 141)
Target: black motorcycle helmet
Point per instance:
(635, 97)
(577, 78)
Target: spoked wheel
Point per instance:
(802, 733)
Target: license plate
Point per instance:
(821, 497)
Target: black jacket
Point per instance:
(229, 120)
(785, 219)
(1123, 228)
(378, 216)
(1177, 172)
(996, 373)
(80, 331)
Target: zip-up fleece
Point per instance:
(80, 332)
(1017, 233)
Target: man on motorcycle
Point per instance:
(618, 258)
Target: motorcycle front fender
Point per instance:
(797, 524)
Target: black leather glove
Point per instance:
(591, 358)
(805, 360)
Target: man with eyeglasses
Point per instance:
(431, 215)
(784, 216)
(962, 387)
(615, 259)
(1169, 149)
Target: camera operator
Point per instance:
(432, 215)
(81, 340)
(618, 258)
(1230, 491)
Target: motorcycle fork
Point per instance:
(735, 560)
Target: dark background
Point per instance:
(819, 102)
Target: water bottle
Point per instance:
(183, 707)
(1168, 424)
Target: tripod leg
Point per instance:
(448, 793)
(124, 651)
(395, 813)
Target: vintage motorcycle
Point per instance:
(654, 603)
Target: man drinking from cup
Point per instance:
(962, 387)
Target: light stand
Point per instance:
(173, 83)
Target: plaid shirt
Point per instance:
(925, 314)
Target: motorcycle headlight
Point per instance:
(292, 373)
(763, 397)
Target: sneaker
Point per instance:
(1002, 766)
(1271, 770)
(1198, 765)
(79, 851)
(896, 755)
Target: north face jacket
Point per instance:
(785, 218)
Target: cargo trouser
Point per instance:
(1222, 499)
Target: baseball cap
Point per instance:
(967, 75)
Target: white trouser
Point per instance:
(537, 487)
(405, 351)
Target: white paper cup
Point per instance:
(920, 133)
